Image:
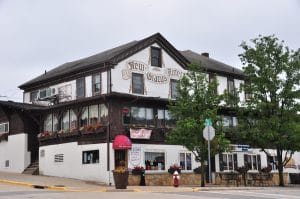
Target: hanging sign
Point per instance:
(140, 134)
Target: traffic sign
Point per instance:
(208, 122)
(209, 132)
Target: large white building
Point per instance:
(82, 118)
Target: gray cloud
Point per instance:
(39, 35)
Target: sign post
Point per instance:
(208, 134)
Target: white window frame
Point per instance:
(154, 151)
(185, 161)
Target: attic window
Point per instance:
(155, 56)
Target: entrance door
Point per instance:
(121, 158)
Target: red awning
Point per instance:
(122, 142)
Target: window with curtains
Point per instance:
(252, 161)
(185, 161)
(228, 161)
(73, 120)
(51, 123)
(65, 122)
(155, 160)
(83, 120)
(93, 115)
(90, 157)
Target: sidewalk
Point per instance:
(67, 184)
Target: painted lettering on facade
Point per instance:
(154, 74)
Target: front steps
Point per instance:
(32, 169)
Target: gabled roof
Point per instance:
(107, 58)
(210, 64)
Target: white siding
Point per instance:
(15, 151)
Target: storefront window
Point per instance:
(73, 119)
(138, 115)
(93, 115)
(185, 161)
(65, 123)
(228, 161)
(83, 121)
(155, 160)
(252, 161)
(48, 123)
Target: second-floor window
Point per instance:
(173, 84)
(51, 123)
(34, 96)
(155, 56)
(80, 87)
(230, 85)
(137, 83)
(96, 84)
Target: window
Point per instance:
(83, 120)
(252, 161)
(96, 84)
(149, 117)
(185, 161)
(155, 56)
(59, 158)
(126, 115)
(90, 157)
(33, 96)
(272, 160)
(212, 77)
(155, 161)
(55, 123)
(160, 122)
(80, 87)
(138, 115)
(6, 163)
(93, 115)
(173, 84)
(48, 123)
(46, 92)
(137, 83)
(228, 161)
(230, 86)
(65, 122)
(170, 122)
(103, 113)
(73, 120)
(227, 121)
(4, 128)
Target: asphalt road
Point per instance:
(21, 192)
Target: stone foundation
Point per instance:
(165, 179)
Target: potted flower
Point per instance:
(266, 169)
(121, 176)
(137, 170)
(174, 168)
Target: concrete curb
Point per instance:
(184, 189)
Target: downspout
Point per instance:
(108, 125)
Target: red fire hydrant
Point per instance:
(176, 178)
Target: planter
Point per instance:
(121, 179)
(69, 134)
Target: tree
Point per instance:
(270, 117)
(197, 100)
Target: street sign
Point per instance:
(208, 122)
(209, 133)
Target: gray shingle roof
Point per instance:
(211, 64)
(81, 63)
(21, 106)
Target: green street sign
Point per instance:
(208, 122)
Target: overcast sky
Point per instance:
(38, 35)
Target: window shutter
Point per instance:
(258, 162)
(221, 163)
(235, 165)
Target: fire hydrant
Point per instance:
(176, 178)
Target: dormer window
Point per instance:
(155, 56)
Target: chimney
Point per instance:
(205, 54)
